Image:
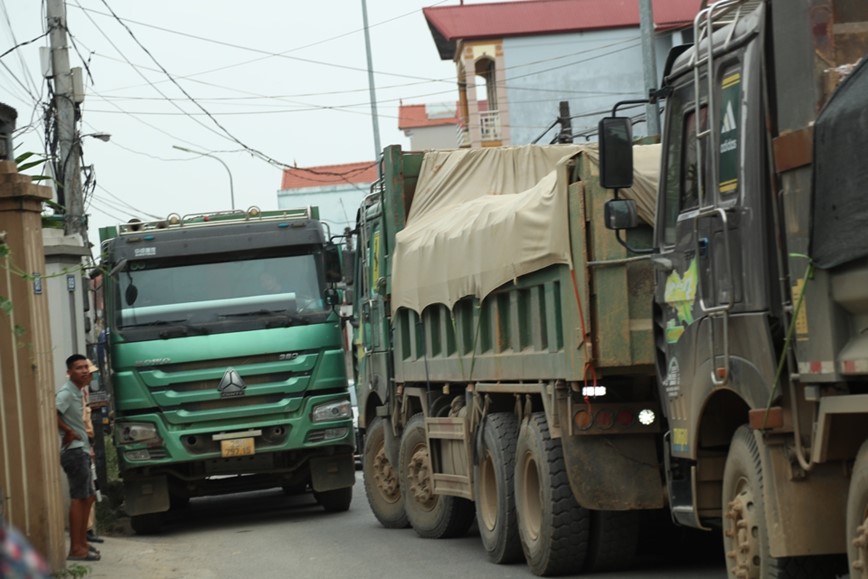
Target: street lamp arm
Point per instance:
(219, 160)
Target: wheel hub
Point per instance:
(417, 477)
(742, 537)
(860, 565)
(384, 475)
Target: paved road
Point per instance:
(265, 534)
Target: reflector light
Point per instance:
(593, 391)
(625, 418)
(604, 419)
(582, 420)
(647, 417)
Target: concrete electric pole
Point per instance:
(649, 60)
(68, 162)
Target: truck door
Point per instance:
(372, 333)
(711, 223)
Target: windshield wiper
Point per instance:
(181, 330)
(154, 323)
(277, 318)
(262, 312)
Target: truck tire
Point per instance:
(554, 529)
(857, 517)
(745, 534)
(335, 501)
(431, 516)
(614, 540)
(495, 491)
(148, 524)
(381, 479)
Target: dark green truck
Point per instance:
(504, 355)
(226, 360)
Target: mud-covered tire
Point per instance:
(554, 529)
(431, 516)
(494, 489)
(745, 532)
(857, 517)
(335, 501)
(614, 540)
(149, 524)
(382, 486)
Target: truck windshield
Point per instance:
(182, 297)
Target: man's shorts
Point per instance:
(76, 465)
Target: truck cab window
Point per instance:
(690, 177)
(681, 188)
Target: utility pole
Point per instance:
(649, 65)
(371, 88)
(68, 163)
(566, 133)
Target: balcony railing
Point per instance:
(489, 125)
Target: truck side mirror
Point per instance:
(349, 260)
(616, 153)
(620, 214)
(333, 263)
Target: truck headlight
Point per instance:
(331, 411)
(130, 432)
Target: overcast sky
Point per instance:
(284, 77)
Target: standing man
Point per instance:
(75, 455)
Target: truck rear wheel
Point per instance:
(745, 534)
(857, 517)
(614, 540)
(495, 491)
(431, 516)
(381, 479)
(554, 529)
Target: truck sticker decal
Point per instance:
(672, 382)
(375, 260)
(802, 316)
(730, 114)
(679, 440)
(680, 295)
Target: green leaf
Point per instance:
(5, 305)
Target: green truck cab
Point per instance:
(225, 356)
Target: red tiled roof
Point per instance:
(449, 24)
(301, 178)
(416, 117)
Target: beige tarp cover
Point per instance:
(483, 217)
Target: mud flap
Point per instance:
(614, 473)
(329, 473)
(146, 495)
(804, 515)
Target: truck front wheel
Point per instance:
(381, 479)
(495, 492)
(148, 524)
(745, 531)
(335, 501)
(554, 529)
(857, 517)
(432, 516)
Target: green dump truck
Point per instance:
(504, 357)
(226, 359)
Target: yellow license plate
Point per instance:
(236, 447)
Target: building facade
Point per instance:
(524, 58)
